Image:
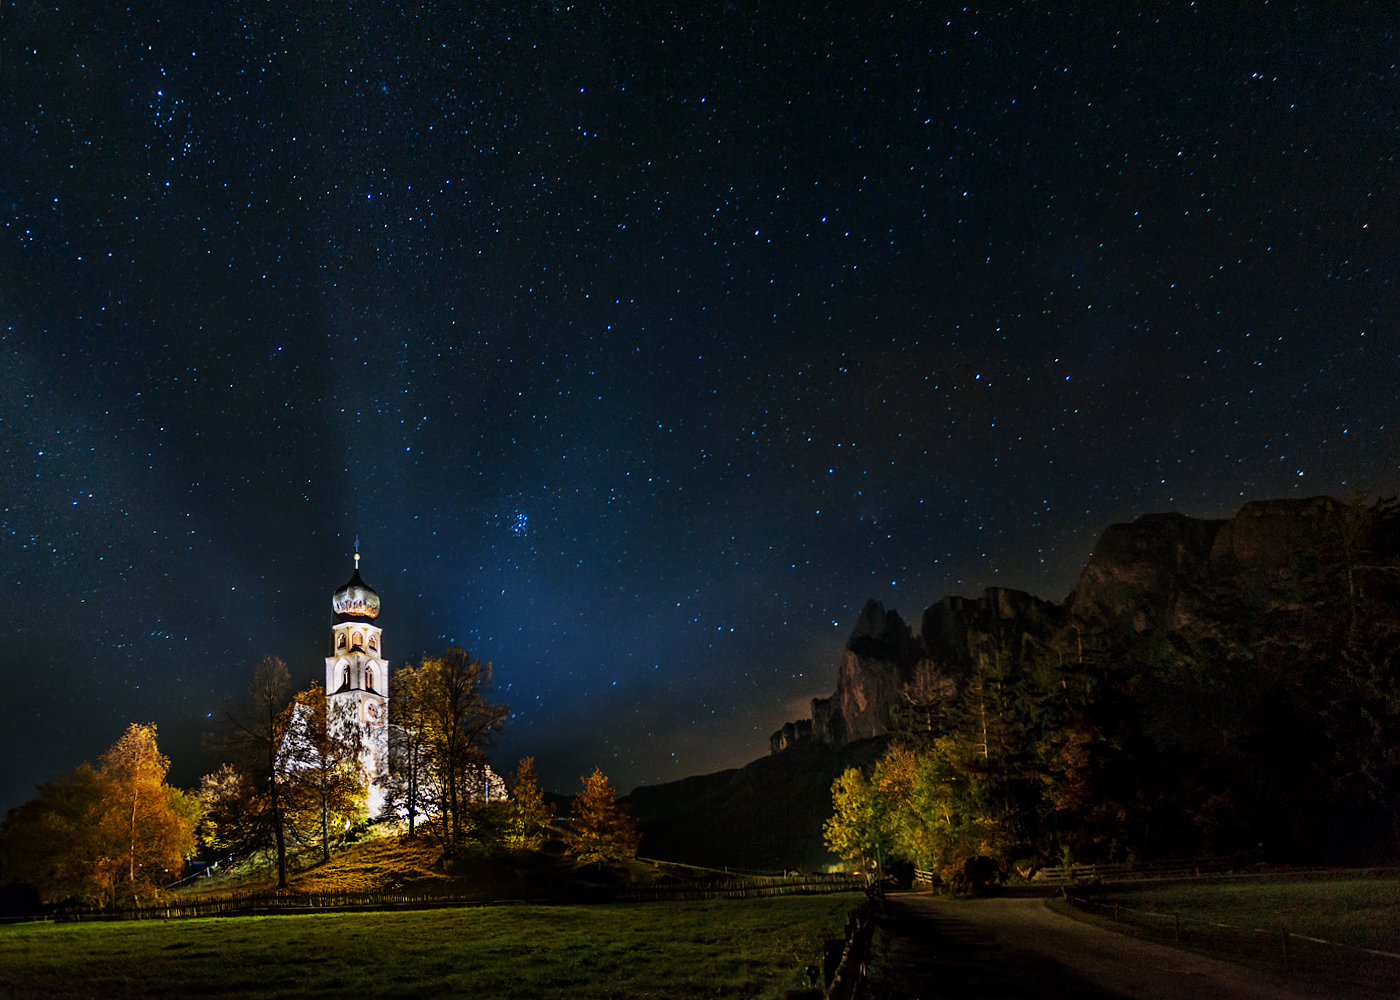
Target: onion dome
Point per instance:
(356, 599)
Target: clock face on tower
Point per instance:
(373, 711)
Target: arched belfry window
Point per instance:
(357, 641)
(373, 644)
(340, 642)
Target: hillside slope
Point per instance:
(765, 816)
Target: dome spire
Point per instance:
(356, 599)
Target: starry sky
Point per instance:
(640, 346)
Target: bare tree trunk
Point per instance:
(412, 789)
(452, 796)
(275, 801)
(281, 838)
(131, 845)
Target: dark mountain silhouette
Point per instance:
(1256, 661)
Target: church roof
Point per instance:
(356, 599)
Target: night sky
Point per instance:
(639, 354)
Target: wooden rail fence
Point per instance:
(1144, 872)
(285, 902)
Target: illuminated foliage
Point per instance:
(440, 726)
(530, 814)
(409, 789)
(151, 823)
(855, 831)
(103, 835)
(325, 745)
(458, 725)
(605, 829)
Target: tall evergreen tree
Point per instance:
(530, 814)
(606, 831)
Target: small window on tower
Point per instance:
(340, 641)
(369, 680)
(345, 678)
(357, 641)
(373, 644)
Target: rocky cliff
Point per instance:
(1185, 600)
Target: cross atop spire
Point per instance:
(357, 552)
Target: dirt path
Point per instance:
(1015, 947)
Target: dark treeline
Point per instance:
(1211, 688)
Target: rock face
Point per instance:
(1169, 572)
(885, 667)
(1180, 595)
(791, 734)
(879, 663)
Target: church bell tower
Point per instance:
(357, 677)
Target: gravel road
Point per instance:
(1017, 947)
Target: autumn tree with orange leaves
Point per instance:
(103, 835)
(605, 829)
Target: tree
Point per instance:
(1088, 757)
(324, 747)
(231, 820)
(855, 831)
(151, 822)
(959, 781)
(530, 814)
(106, 834)
(1362, 718)
(458, 726)
(923, 711)
(256, 745)
(409, 786)
(55, 843)
(606, 832)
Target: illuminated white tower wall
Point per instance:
(357, 678)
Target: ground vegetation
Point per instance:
(752, 948)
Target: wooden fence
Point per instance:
(1127, 871)
(847, 960)
(289, 902)
(1140, 872)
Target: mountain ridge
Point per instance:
(1239, 647)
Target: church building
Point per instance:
(357, 678)
(357, 690)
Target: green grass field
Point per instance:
(1246, 919)
(1354, 908)
(737, 948)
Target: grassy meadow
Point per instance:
(1357, 912)
(1354, 908)
(739, 948)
